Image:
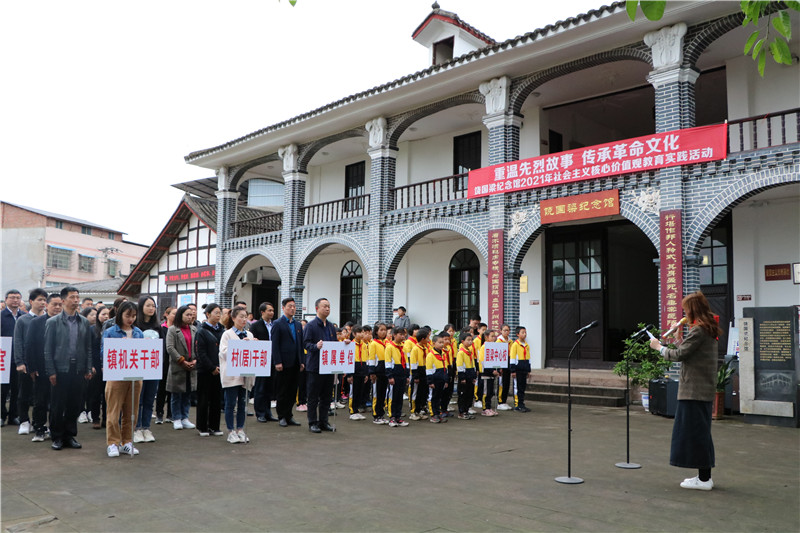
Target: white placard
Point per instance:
(249, 358)
(5, 359)
(132, 359)
(496, 355)
(337, 358)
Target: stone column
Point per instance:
(294, 199)
(380, 294)
(226, 215)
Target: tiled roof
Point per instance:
(411, 78)
(207, 188)
(453, 19)
(65, 218)
(103, 286)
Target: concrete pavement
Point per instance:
(488, 474)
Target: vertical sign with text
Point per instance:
(496, 262)
(671, 267)
(5, 359)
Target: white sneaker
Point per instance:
(233, 437)
(451, 406)
(186, 424)
(356, 416)
(113, 451)
(148, 435)
(24, 428)
(414, 416)
(242, 437)
(128, 448)
(504, 407)
(177, 424)
(405, 396)
(204, 434)
(138, 436)
(82, 418)
(472, 411)
(477, 405)
(89, 417)
(273, 404)
(380, 421)
(340, 405)
(217, 433)
(695, 483)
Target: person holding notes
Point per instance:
(234, 387)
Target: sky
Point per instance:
(102, 100)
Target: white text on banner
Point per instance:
(249, 358)
(337, 358)
(132, 359)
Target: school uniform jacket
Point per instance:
(436, 366)
(520, 356)
(377, 354)
(465, 363)
(396, 363)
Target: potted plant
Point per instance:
(641, 363)
(724, 377)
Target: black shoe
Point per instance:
(270, 418)
(13, 421)
(3, 423)
(283, 423)
(326, 427)
(292, 422)
(57, 444)
(72, 443)
(313, 428)
(262, 419)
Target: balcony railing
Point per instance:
(773, 129)
(258, 225)
(352, 207)
(431, 191)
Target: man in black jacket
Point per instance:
(287, 360)
(37, 300)
(34, 361)
(8, 320)
(262, 389)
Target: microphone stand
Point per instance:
(569, 480)
(628, 464)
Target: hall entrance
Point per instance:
(267, 291)
(602, 271)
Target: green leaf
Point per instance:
(780, 51)
(762, 62)
(757, 49)
(630, 7)
(293, 2)
(653, 9)
(793, 5)
(750, 42)
(783, 24)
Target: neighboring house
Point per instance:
(44, 249)
(377, 206)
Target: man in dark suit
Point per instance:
(287, 360)
(320, 386)
(8, 320)
(262, 390)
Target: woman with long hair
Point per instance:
(162, 396)
(97, 387)
(692, 446)
(209, 388)
(234, 387)
(147, 321)
(182, 377)
(86, 411)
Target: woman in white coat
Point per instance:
(234, 388)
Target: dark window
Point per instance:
(59, 224)
(464, 289)
(443, 50)
(354, 185)
(85, 263)
(110, 235)
(577, 265)
(59, 258)
(466, 157)
(714, 258)
(86, 230)
(351, 293)
(555, 142)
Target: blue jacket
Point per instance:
(115, 332)
(286, 350)
(316, 331)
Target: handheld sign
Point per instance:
(249, 358)
(496, 355)
(132, 359)
(5, 359)
(337, 358)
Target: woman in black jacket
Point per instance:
(209, 387)
(97, 387)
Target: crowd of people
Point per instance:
(57, 354)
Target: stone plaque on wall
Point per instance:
(775, 352)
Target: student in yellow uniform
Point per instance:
(380, 383)
(419, 354)
(451, 345)
(408, 347)
(358, 377)
(476, 343)
(487, 375)
(397, 372)
(505, 378)
(465, 364)
(519, 367)
(436, 370)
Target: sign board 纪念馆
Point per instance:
(249, 358)
(337, 358)
(495, 355)
(579, 207)
(132, 359)
(5, 359)
(778, 272)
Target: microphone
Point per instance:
(587, 327)
(645, 329)
(674, 328)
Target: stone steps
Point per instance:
(601, 388)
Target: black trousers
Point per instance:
(209, 394)
(302, 385)
(65, 404)
(522, 381)
(379, 395)
(398, 389)
(320, 396)
(97, 396)
(466, 389)
(435, 396)
(41, 402)
(421, 397)
(163, 396)
(10, 392)
(447, 393)
(26, 397)
(286, 387)
(262, 395)
(488, 392)
(505, 387)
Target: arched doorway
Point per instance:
(463, 288)
(351, 293)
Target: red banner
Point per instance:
(671, 268)
(660, 150)
(596, 204)
(496, 262)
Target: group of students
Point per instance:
(427, 368)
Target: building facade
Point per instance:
(377, 210)
(43, 249)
